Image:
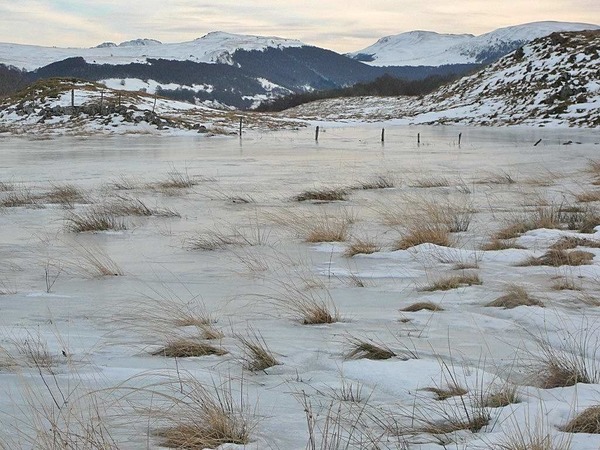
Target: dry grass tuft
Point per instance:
(322, 195)
(176, 180)
(93, 262)
(501, 177)
(452, 390)
(65, 194)
(187, 348)
(474, 424)
(565, 283)
(570, 242)
(379, 182)
(588, 196)
(425, 233)
(501, 244)
(323, 225)
(570, 361)
(560, 374)
(465, 265)
(513, 230)
(329, 230)
(18, 198)
(420, 306)
(594, 166)
(553, 217)
(361, 349)
(310, 306)
(454, 282)
(361, 247)
(500, 398)
(123, 183)
(531, 439)
(431, 182)
(211, 241)
(515, 296)
(587, 421)
(94, 220)
(6, 186)
(557, 258)
(257, 355)
(136, 207)
(201, 418)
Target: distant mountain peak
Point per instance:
(106, 45)
(428, 48)
(140, 43)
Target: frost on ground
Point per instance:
(551, 82)
(208, 298)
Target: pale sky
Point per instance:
(340, 25)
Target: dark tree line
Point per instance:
(385, 85)
(12, 80)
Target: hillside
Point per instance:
(47, 108)
(219, 69)
(433, 49)
(551, 82)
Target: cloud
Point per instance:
(342, 25)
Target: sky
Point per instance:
(340, 25)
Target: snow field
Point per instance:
(254, 268)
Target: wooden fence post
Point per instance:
(317, 134)
(383, 135)
(418, 138)
(241, 123)
(73, 98)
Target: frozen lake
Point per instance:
(101, 331)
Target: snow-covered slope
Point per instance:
(552, 81)
(214, 47)
(426, 48)
(65, 107)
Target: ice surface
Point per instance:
(102, 323)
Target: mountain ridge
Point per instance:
(432, 49)
(552, 81)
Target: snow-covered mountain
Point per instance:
(553, 81)
(216, 47)
(426, 48)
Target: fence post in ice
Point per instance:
(382, 135)
(72, 98)
(101, 101)
(119, 98)
(317, 134)
(459, 138)
(241, 123)
(154, 106)
(418, 138)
